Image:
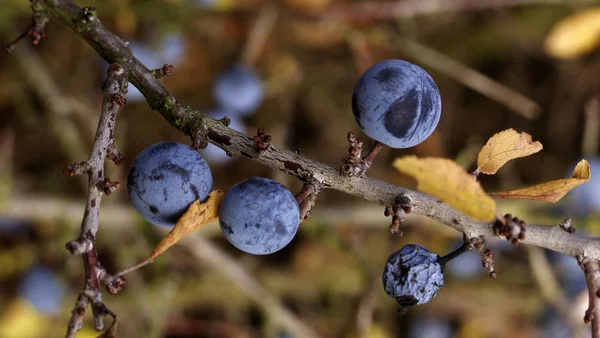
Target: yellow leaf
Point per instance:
(551, 191)
(574, 36)
(450, 183)
(197, 215)
(503, 147)
(21, 319)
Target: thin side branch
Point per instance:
(591, 268)
(97, 186)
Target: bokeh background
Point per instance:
(307, 55)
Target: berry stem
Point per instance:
(374, 151)
(452, 255)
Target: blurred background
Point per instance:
(290, 67)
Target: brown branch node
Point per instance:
(89, 14)
(107, 186)
(115, 285)
(512, 228)
(80, 246)
(113, 154)
(263, 141)
(481, 245)
(566, 226)
(399, 211)
(76, 169)
(355, 165)
(163, 71)
(307, 196)
(35, 30)
(118, 98)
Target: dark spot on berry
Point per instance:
(400, 119)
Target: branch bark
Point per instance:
(193, 123)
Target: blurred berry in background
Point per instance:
(238, 90)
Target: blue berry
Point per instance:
(214, 154)
(165, 179)
(259, 216)
(397, 103)
(412, 276)
(238, 90)
(41, 288)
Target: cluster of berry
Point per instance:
(394, 102)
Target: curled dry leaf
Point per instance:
(551, 191)
(503, 147)
(197, 215)
(450, 183)
(575, 36)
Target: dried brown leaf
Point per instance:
(552, 191)
(197, 215)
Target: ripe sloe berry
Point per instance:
(259, 216)
(165, 179)
(397, 103)
(412, 276)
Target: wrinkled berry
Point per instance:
(412, 276)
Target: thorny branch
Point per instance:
(113, 87)
(194, 124)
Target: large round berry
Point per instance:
(259, 216)
(165, 179)
(238, 90)
(412, 276)
(396, 103)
